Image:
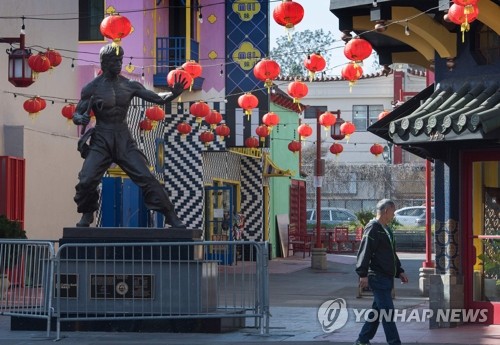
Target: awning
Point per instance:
(460, 112)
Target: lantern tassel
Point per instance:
(248, 113)
(116, 45)
(311, 76)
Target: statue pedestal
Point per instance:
(108, 273)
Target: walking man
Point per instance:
(109, 96)
(377, 266)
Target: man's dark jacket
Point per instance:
(377, 252)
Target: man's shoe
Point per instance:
(172, 220)
(87, 219)
(360, 343)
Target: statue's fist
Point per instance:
(81, 119)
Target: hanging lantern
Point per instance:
(376, 149)
(457, 14)
(297, 89)
(252, 142)
(288, 14)
(179, 74)
(335, 131)
(43, 104)
(294, 146)
(468, 5)
(327, 120)
(336, 148)
(145, 125)
(352, 72)
(20, 73)
(194, 69)
(314, 63)
(32, 106)
(247, 101)
(155, 114)
(357, 49)
(271, 119)
(266, 70)
(206, 137)
(184, 129)
(262, 131)
(115, 27)
(68, 110)
(347, 128)
(199, 109)
(383, 114)
(38, 63)
(213, 119)
(222, 131)
(304, 131)
(54, 57)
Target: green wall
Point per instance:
(280, 186)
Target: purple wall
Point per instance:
(212, 40)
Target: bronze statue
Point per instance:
(109, 96)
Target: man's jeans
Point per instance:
(381, 285)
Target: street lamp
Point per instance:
(387, 154)
(319, 253)
(19, 72)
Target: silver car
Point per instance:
(332, 216)
(412, 216)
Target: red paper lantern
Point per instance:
(352, 72)
(288, 14)
(327, 120)
(194, 69)
(262, 131)
(54, 57)
(314, 63)
(206, 137)
(468, 4)
(252, 142)
(347, 128)
(383, 114)
(460, 16)
(357, 49)
(266, 70)
(155, 113)
(247, 101)
(271, 119)
(304, 131)
(180, 75)
(199, 109)
(145, 125)
(336, 148)
(184, 128)
(115, 27)
(43, 104)
(32, 106)
(297, 89)
(376, 149)
(294, 146)
(68, 110)
(213, 119)
(39, 63)
(222, 131)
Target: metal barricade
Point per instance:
(26, 279)
(175, 280)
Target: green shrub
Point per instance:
(10, 228)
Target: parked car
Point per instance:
(412, 216)
(331, 216)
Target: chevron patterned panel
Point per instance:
(251, 198)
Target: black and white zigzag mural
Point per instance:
(251, 198)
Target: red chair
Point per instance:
(298, 241)
(357, 239)
(341, 237)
